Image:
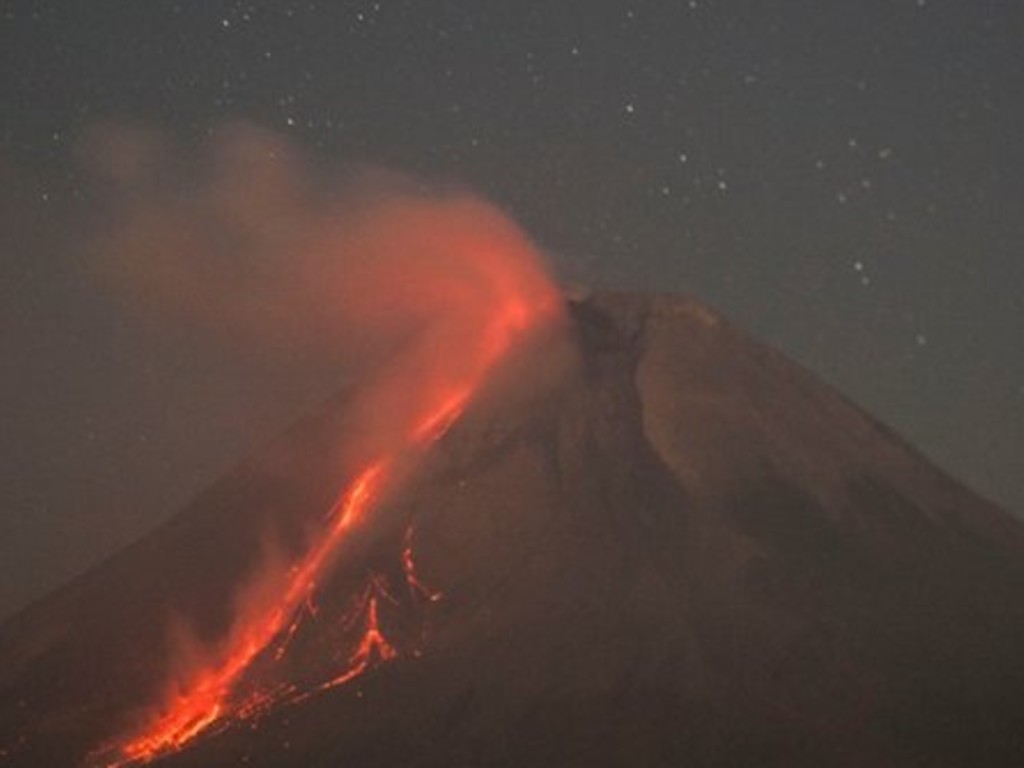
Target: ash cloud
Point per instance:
(387, 277)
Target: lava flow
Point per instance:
(473, 314)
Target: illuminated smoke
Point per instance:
(430, 290)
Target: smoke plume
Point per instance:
(423, 291)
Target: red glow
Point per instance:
(192, 710)
(412, 578)
(373, 646)
(494, 293)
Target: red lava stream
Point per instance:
(516, 299)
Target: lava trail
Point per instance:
(472, 285)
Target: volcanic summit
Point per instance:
(671, 546)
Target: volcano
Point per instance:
(680, 548)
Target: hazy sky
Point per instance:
(843, 179)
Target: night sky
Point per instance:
(843, 179)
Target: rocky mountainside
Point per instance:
(687, 551)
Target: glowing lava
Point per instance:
(505, 296)
(412, 579)
(373, 646)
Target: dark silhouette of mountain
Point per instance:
(687, 552)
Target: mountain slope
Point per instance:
(688, 551)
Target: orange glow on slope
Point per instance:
(506, 296)
(192, 711)
(412, 578)
(373, 646)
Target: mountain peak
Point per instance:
(658, 542)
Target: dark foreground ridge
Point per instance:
(688, 552)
